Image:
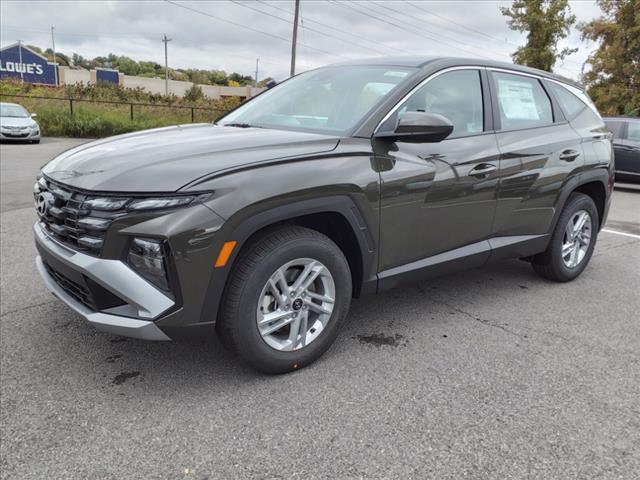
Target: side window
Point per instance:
(616, 128)
(633, 132)
(522, 102)
(571, 105)
(456, 95)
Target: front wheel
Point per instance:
(572, 241)
(285, 301)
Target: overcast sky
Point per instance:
(242, 30)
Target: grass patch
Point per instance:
(97, 120)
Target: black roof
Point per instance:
(445, 62)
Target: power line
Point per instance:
(478, 32)
(77, 34)
(306, 27)
(413, 25)
(272, 35)
(307, 19)
(404, 29)
(98, 35)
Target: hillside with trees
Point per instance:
(143, 68)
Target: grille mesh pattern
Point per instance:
(77, 291)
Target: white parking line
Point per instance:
(625, 234)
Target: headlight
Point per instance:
(147, 257)
(140, 204)
(106, 203)
(160, 203)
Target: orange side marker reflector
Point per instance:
(225, 253)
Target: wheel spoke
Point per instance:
(293, 333)
(573, 259)
(307, 277)
(566, 249)
(273, 317)
(282, 282)
(584, 238)
(322, 298)
(276, 326)
(304, 319)
(273, 288)
(582, 219)
(304, 274)
(317, 308)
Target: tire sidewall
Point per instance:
(248, 339)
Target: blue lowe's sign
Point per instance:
(107, 75)
(20, 63)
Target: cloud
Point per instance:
(231, 34)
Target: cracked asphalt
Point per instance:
(491, 373)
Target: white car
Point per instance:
(17, 124)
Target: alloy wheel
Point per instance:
(576, 240)
(296, 304)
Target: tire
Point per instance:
(551, 264)
(248, 299)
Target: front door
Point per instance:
(439, 197)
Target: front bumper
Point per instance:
(142, 302)
(25, 135)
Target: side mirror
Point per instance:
(419, 127)
(34, 115)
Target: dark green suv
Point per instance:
(339, 182)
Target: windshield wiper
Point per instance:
(240, 125)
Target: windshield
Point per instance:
(14, 111)
(328, 100)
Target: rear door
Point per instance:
(539, 151)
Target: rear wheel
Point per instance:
(286, 299)
(572, 242)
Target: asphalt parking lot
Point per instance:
(491, 373)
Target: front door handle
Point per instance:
(482, 170)
(569, 155)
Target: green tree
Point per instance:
(546, 22)
(193, 94)
(613, 80)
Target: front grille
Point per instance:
(61, 213)
(77, 291)
(15, 134)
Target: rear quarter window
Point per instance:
(571, 105)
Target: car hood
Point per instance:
(16, 121)
(166, 159)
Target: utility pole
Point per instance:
(20, 60)
(294, 39)
(257, 61)
(166, 64)
(55, 64)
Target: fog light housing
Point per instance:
(147, 257)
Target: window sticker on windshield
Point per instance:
(516, 100)
(392, 73)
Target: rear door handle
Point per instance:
(569, 155)
(482, 170)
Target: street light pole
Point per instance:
(55, 63)
(20, 60)
(257, 61)
(294, 39)
(166, 64)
